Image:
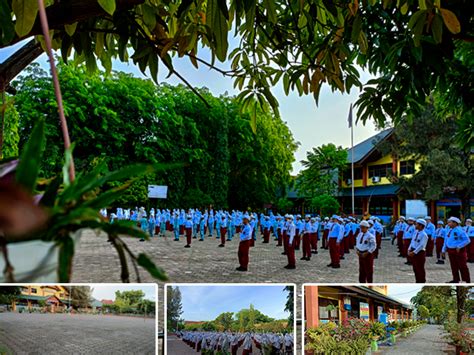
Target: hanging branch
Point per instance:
(57, 89)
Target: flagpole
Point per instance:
(352, 162)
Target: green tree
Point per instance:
(439, 300)
(322, 167)
(81, 296)
(9, 121)
(224, 321)
(423, 311)
(325, 204)
(445, 167)
(290, 305)
(407, 45)
(225, 163)
(283, 204)
(133, 297)
(8, 294)
(174, 307)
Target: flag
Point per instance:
(349, 119)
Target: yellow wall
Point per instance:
(45, 291)
(383, 181)
(380, 289)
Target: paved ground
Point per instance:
(428, 340)
(96, 261)
(75, 334)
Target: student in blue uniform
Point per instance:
(244, 245)
(417, 251)
(366, 244)
(334, 242)
(202, 225)
(455, 244)
(430, 231)
(469, 229)
(223, 229)
(151, 225)
(290, 248)
(440, 234)
(407, 236)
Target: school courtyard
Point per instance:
(35, 333)
(96, 261)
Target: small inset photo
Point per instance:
(388, 319)
(230, 319)
(78, 319)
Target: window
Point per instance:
(328, 315)
(382, 170)
(357, 174)
(380, 206)
(33, 290)
(407, 167)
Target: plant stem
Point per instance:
(57, 88)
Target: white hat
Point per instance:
(246, 216)
(428, 217)
(421, 221)
(469, 220)
(411, 219)
(340, 219)
(290, 217)
(440, 222)
(334, 216)
(326, 218)
(454, 219)
(371, 222)
(313, 219)
(364, 224)
(402, 217)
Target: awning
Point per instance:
(377, 190)
(366, 291)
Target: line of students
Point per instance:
(416, 239)
(230, 343)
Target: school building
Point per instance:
(324, 304)
(55, 298)
(375, 193)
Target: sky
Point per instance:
(107, 292)
(403, 292)
(311, 126)
(205, 303)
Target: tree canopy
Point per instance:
(174, 307)
(122, 119)
(406, 44)
(446, 169)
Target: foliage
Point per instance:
(283, 204)
(301, 44)
(224, 163)
(8, 294)
(224, 321)
(460, 336)
(423, 311)
(445, 167)
(290, 304)
(81, 296)
(377, 330)
(174, 307)
(9, 121)
(322, 167)
(325, 204)
(439, 300)
(352, 336)
(133, 297)
(72, 206)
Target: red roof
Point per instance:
(107, 302)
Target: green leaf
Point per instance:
(153, 66)
(270, 5)
(363, 42)
(66, 252)
(437, 28)
(356, 27)
(218, 25)
(7, 29)
(127, 228)
(149, 16)
(70, 29)
(144, 261)
(184, 6)
(25, 13)
(67, 165)
(30, 159)
(108, 6)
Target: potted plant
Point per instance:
(376, 331)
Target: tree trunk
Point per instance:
(466, 206)
(461, 295)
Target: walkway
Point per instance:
(428, 340)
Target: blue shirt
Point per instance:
(469, 231)
(409, 232)
(440, 233)
(335, 232)
(418, 242)
(456, 238)
(246, 233)
(430, 229)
